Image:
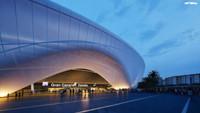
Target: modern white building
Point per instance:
(39, 38)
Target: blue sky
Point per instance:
(166, 33)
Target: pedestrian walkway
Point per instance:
(104, 102)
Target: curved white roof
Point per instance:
(40, 38)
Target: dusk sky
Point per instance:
(166, 33)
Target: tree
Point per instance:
(150, 81)
(154, 74)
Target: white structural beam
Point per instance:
(32, 88)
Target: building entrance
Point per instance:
(71, 81)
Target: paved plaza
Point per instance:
(101, 103)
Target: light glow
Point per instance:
(123, 87)
(3, 94)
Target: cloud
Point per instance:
(116, 3)
(152, 4)
(162, 48)
(148, 35)
(178, 40)
(151, 33)
(123, 10)
(187, 31)
(188, 35)
(148, 5)
(102, 17)
(190, 3)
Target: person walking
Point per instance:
(15, 94)
(70, 91)
(73, 91)
(89, 91)
(19, 94)
(190, 93)
(8, 95)
(22, 92)
(176, 91)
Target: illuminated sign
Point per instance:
(68, 85)
(44, 83)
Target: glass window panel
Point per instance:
(3, 60)
(107, 42)
(13, 56)
(64, 27)
(51, 51)
(27, 50)
(8, 22)
(40, 49)
(53, 20)
(39, 23)
(9, 39)
(83, 31)
(115, 43)
(82, 35)
(64, 31)
(63, 46)
(10, 47)
(53, 45)
(24, 21)
(90, 37)
(97, 37)
(72, 45)
(102, 39)
(74, 29)
(27, 58)
(1, 49)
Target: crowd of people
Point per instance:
(18, 94)
(176, 90)
(76, 91)
(190, 91)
